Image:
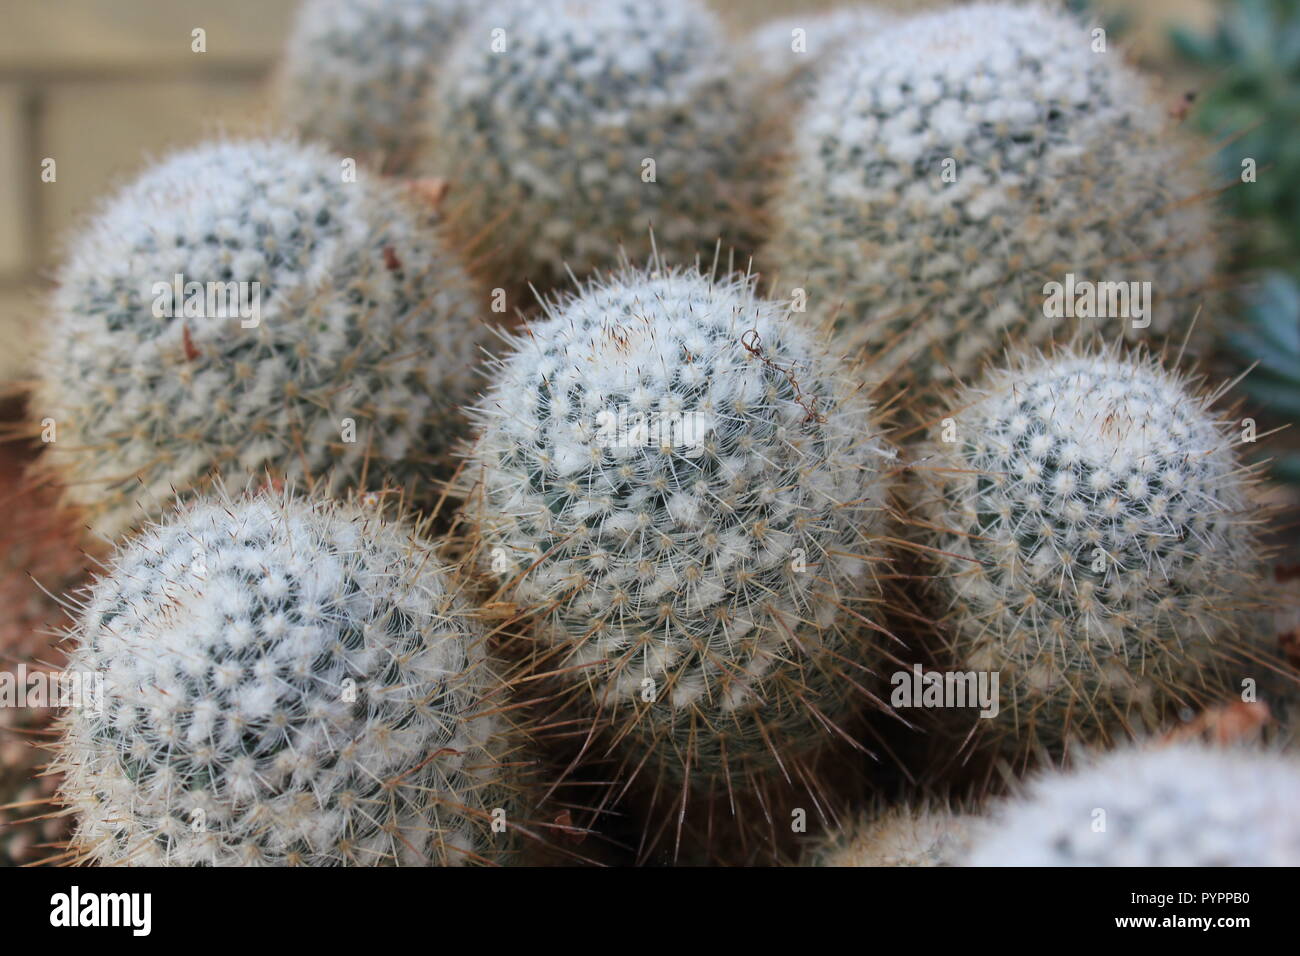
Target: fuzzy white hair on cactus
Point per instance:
(1179, 805)
(792, 52)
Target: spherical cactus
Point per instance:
(950, 169)
(792, 52)
(356, 72)
(284, 682)
(244, 308)
(902, 836)
(689, 493)
(1094, 534)
(571, 127)
(1183, 805)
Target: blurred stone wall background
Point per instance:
(100, 86)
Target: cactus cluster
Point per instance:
(949, 168)
(1182, 805)
(689, 491)
(286, 681)
(676, 563)
(245, 308)
(356, 72)
(571, 128)
(1096, 544)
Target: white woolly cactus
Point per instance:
(356, 72)
(689, 492)
(901, 836)
(792, 52)
(952, 167)
(1095, 540)
(320, 332)
(570, 128)
(1181, 805)
(285, 682)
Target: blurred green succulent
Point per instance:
(1253, 108)
(1270, 337)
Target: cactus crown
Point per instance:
(286, 682)
(320, 302)
(576, 127)
(1095, 538)
(1181, 805)
(975, 154)
(688, 489)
